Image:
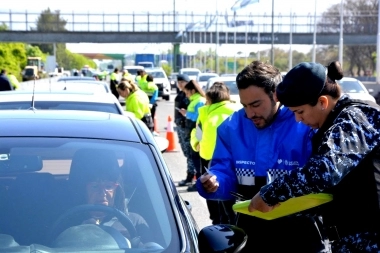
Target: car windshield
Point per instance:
(132, 71)
(205, 78)
(351, 86)
(191, 73)
(49, 196)
(29, 72)
(157, 74)
(60, 105)
(232, 86)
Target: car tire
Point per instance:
(166, 97)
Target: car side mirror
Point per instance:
(221, 238)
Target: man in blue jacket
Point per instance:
(254, 145)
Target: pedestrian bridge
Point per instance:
(181, 28)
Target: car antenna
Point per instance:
(34, 86)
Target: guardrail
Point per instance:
(170, 22)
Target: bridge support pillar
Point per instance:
(177, 63)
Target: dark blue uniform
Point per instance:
(345, 162)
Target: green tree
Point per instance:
(360, 17)
(3, 27)
(49, 21)
(13, 58)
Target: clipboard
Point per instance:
(291, 206)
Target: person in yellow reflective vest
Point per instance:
(114, 82)
(197, 99)
(203, 140)
(125, 74)
(142, 82)
(136, 101)
(151, 89)
(14, 82)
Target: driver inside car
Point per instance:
(95, 179)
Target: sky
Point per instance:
(299, 7)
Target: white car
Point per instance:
(355, 89)
(133, 70)
(230, 82)
(60, 100)
(204, 77)
(191, 72)
(162, 82)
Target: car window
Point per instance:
(60, 105)
(43, 179)
(132, 71)
(205, 78)
(351, 86)
(157, 74)
(190, 73)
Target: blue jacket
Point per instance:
(244, 154)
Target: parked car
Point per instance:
(76, 78)
(230, 81)
(191, 72)
(133, 70)
(69, 85)
(55, 159)
(355, 89)
(204, 77)
(173, 80)
(60, 100)
(162, 82)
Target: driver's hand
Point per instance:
(209, 182)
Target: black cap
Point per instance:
(183, 77)
(302, 84)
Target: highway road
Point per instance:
(177, 164)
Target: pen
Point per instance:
(208, 171)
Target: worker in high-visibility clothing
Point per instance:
(151, 89)
(125, 74)
(114, 80)
(14, 82)
(136, 101)
(142, 80)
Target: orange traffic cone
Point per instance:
(170, 135)
(155, 125)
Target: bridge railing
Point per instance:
(169, 22)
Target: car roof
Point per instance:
(72, 85)
(349, 79)
(223, 78)
(133, 67)
(70, 124)
(89, 97)
(76, 78)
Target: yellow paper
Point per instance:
(291, 206)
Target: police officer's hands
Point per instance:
(209, 182)
(257, 203)
(183, 111)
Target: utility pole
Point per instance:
(272, 48)
(378, 47)
(315, 30)
(341, 35)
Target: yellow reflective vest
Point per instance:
(138, 104)
(209, 119)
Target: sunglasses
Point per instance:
(108, 186)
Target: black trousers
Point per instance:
(220, 211)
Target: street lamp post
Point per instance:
(378, 47)
(315, 30)
(272, 48)
(341, 35)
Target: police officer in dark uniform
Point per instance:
(181, 101)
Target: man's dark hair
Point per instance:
(3, 71)
(259, 74)
(149, 78)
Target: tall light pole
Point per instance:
(378, 46)
(174, 15)
(315, 30)
(291, 42)
(341, 35)
(272, 48)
